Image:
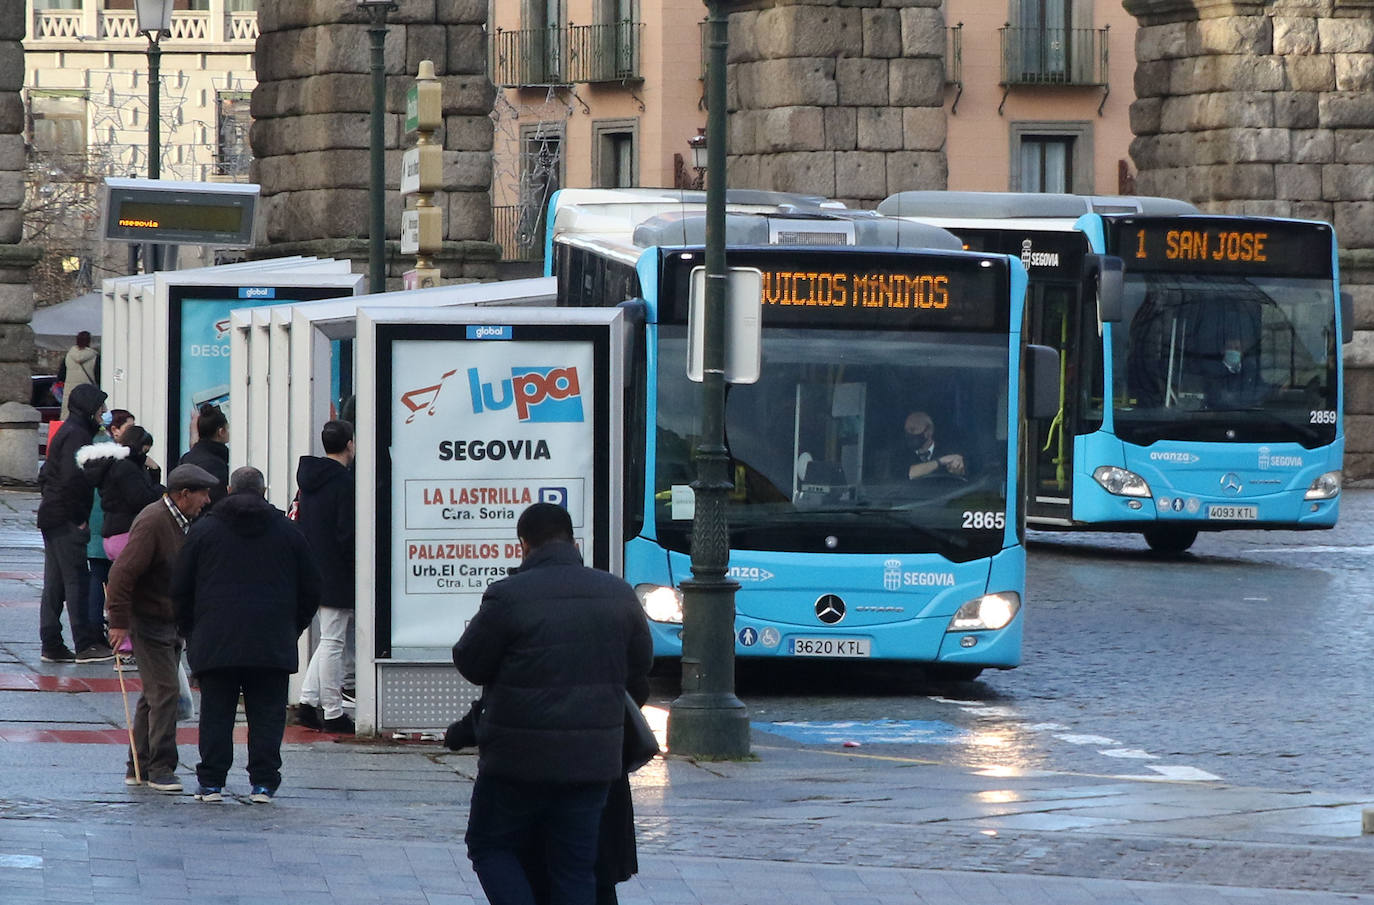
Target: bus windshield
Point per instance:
(852, 441)
(1225, 357)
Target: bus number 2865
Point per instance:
(985, 519)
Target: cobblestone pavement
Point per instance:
(378, 822)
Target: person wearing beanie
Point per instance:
(64, 513)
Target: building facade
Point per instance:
(1038, 95)
(590, 93)
(605, 93)
(86, 114)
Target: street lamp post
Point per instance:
(376, 252)
(708, 720)
(154, 19)
(701, 157)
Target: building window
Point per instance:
(57, 126)
(1045, 44)
(232, 122)
(614, 153)
(1046, 163)
(543, 22)
(1051, 157)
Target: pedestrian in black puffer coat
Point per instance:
(244, 587)
(555, 646)
(119, 471)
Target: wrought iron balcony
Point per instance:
(515, 229)
(567, 54)
(954, 62)
(1054, 56)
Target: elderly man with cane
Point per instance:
(140, 608)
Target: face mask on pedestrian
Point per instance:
(106, 419)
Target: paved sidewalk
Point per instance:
(362, 821)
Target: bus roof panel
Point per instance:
(689, 229)
(1011, 205)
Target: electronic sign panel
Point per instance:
(180, 213)
(1237, 246)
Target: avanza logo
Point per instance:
(538, 394)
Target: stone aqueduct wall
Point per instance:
(311, 128)
(1268, 108)
(16, 296)
(838, 99)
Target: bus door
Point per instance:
(1050, 460)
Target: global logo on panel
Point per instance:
(538, 395)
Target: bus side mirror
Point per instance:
(1110, 287)
(1042, 382)
(1347, 317)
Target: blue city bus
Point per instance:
(1206, 395)
(866, 322)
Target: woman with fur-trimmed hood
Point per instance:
(120, 472)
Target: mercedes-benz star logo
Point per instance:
(1230, 482)
(830, 609)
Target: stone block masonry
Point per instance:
(16, 337)
(1251, 107)
(312, 120)
(838, 99)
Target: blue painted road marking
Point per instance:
(869, 732)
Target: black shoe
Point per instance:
(96, 653)
(309, 716)
(166, 782)
(349, 695)
(340, 724)
(58, 655)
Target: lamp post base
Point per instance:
(709, 725)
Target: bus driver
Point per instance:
(919, 455)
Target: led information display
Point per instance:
(865, 290)
(1223, 245)
(179, 213)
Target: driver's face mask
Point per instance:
(1231, 358)
(915, 442)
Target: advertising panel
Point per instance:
(199, 328)
(481, 427)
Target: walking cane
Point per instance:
(128, 719)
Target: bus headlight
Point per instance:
(1120, 482)
(986, 613)
(660, 604)
(1324, 487)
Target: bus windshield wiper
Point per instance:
(887, 516)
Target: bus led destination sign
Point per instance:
(1223, 245)
(865, 289)
(860, 290)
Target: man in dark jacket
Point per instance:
(211, 450)
(64, 519)
(325, 517)
(245, 588)
(554, 646)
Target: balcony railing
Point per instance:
(954, 62)
(1054, 56)
(567, 54)
(514, 228)
(122, 25)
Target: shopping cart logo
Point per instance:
(423, 399)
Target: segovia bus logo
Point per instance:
(540, 395)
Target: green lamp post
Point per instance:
(377, 11)
(154, 19)
(708, 720)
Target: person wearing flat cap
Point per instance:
(139, 601)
